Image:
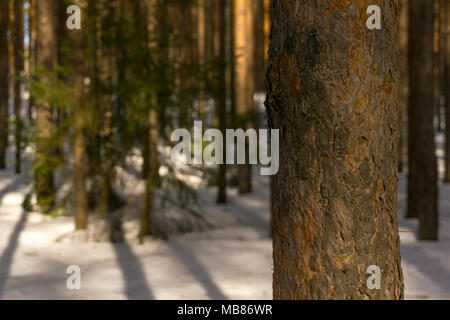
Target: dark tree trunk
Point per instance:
(19, 66)
(403, 107)
(446, 92)
(222, 97)
(333, 93)
(422, 177)
(4, 74)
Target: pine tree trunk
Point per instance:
(333, 93)
(46, 57)
(422, 177)
(222, 98)
(79, 148)
(259, 55)
(201, 31)
(4, 74)
(403, 107)
(436, 64)
(244, 44)
(31, 51)
(446, 40)
(19, 66)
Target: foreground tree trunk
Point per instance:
(19, 66)
(422, 177)
(46, 57)
(4, 73)
(333, 93)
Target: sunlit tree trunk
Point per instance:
(244, 81)
(335, 195)
(446, 91)
(46, 57)
(422, 177)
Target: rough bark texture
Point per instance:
(46, 57)
(244, 80)
(333, 93)
(422, 176)
(18, 66)
(4, 73)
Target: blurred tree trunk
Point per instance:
(201, 39)
(19, 66)
(403, 107)
(232, 68)
(437, 64)
(222, 96)
(154, 46)
(4, 74)
(335, 196)
(79, 148)
(446, 55)
(244, 64)
(46, 56)
(422, 178)
(31, 50)
(259, 55)
(108, 61)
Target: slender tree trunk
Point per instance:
(4, 74)
(335, 195)
(201, 32)
(79, 148)
(403, 107)
(422, 177)
(446, 47)
(19, 66)
(46, 57)
(259, 55)
(150, 25)
(222, 97)
(244, 44)
(436, 64)
(32, 7)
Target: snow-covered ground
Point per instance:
(231, 261)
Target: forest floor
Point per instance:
(231, 261)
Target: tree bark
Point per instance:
(46, 56)
(333, 93)
(422, 177)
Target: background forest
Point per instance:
(85, 171)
